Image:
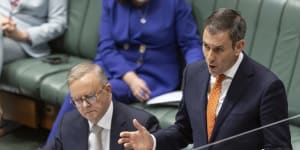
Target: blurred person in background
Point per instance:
(26, 28)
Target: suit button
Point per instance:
(142, 48)
(126, 46)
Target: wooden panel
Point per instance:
(19, 109)
(49, 113)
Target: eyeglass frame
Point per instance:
(87, 98)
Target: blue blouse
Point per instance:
(150, 49)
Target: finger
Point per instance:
(123, 140)
(146, 90)
(12, 27)
(125, 134)
(138, 126)
(137, 95)
(12, 23)
(5, 27)
(128, 145)
(145, 95)
(140, 97)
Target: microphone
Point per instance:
(246, 132)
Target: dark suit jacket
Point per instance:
(74, 129)
(255, 97)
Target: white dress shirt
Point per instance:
(105, 123)
(230, 73)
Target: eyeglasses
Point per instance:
(90, 99)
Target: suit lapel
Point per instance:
(118, 125)
(203, 103)
(236, 89)
(199, 80)
(81, 134)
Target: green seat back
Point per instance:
(81, 38)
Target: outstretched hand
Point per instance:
(137, 140)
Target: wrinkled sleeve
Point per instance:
(55, 25)
(273, 108)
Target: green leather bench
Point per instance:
(273, 39)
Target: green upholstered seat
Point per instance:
(53, 88)
(165, 114)
(27, 74)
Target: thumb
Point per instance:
(137, 125)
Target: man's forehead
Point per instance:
(87, 82)
(89, 78)
(216, 39)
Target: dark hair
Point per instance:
(225, 19)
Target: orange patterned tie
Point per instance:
(212, 103)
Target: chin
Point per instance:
(211, 72)
(90, 116)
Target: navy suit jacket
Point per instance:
(255, 97)
(74, 129)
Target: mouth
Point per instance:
(88, 112)
(211, 66)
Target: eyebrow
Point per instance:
(218, 46)
(86, 95)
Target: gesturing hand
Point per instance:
(137, 140)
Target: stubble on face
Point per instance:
(218, 51)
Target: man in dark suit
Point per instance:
(91, 94)
(224, 96)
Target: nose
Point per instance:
(85, 103)
(210, 56)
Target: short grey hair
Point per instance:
(82, 69)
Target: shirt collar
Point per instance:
(105, 121)
(230, 73)
(232, 70)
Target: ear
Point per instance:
(108, 90)
(239, 46)
(108, 87)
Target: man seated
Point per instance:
(98, 120)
